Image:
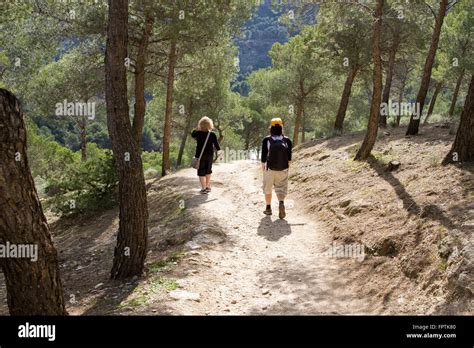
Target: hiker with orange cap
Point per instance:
(276, 159)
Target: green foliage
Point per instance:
(290, 86)
(277, 55)
(45, 156)
(97, 133)
(161, 264)
(151, 160)
(149, 142)
(83, 185)
(344, 36)
(164, 283)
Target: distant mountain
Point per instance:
(258, 36)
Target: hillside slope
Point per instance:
(415, 222)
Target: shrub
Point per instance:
(151, 173)
(45, 156)
(151, 160)
(88, 185)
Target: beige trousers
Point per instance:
(277, 179)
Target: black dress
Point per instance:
(205, 165)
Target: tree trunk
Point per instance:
(130, 251)
(140, 102)
(303, 127)
(433, 101)
(83, 136)
(33, 286)
(455, 95)
(368, 93)
(425, 81)
(346, 93)
(400, 98)
(299, 113)
(389, 77)
(247, 140)
(219, 138)
(463, 146)
(187, 129)
(172, 57)
(372, 127)
(221, 133)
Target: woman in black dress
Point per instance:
(203, 129)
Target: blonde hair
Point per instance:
(205, 124)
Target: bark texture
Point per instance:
(33, 287)
(388, 80)
(455, 94)
(186, 131)
(463, 146)
(371, 135)
(172, 57)
(414, 124)
(346, 93)
(140, 102)
(438, 87)
(130, 251)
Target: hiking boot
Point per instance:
(208, 189)
(203, 191)
(281, 210)
(268, 211)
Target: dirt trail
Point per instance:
(266, 265)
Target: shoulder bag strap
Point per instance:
(204, 146)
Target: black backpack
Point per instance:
(277, 154)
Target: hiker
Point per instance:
(206, 142)
(276, 159)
